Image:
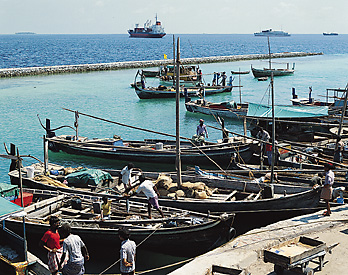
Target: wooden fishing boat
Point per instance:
(180, 232)
(228, 109)
(297, 123)
(155, 150)
(240, 72)
(170, 92)
(14, 257)
(148, 73)
(268, 72)
(239, 201)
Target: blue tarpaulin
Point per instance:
(287, 111)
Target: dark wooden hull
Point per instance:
(220, 153)
(150, 93)
(233, 113)
(268, 72)
(184, 240)
(300, 201)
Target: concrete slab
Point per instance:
(246, 251)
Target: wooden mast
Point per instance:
(273, 131)
(269, 52)
(173, 60)
(177, 115)
(343, 111)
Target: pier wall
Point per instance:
(12, 72)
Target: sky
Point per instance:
(177, 17)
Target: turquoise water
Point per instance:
(108, 95)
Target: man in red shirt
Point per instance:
(50, 242)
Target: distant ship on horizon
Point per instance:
(148, 31)
(330, 33)
(25, 33)
(271, 32)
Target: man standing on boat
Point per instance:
(126, 174)
(326, 191)
(150, 191)
(338, 154)
(127, 252)
(223, 79)
(202, 129)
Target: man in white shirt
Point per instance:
(127, 252)
(326, 191)
(76, 249)
(202, 129)
(126, 173)
(150, 191)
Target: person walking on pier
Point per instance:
(77, 251)
(326, 191)
(127, 252)
(50, 242)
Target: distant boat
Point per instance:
(25, 33)
(148, 31)
(261, 74)
(272, 33)
(330, 33)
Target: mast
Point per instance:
(273, 131)
(343, 111)
(173, 60)
(178, 157)
(269, 52)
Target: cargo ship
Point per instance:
(330, 33)
(272, 33)
(148, 31)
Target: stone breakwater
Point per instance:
(12, 72)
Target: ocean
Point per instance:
(108, 94)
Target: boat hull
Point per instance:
(268, 72)
(146, 35)
(220, 153)
(184, 240)
(155, 93)
(228, 113)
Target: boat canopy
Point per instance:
(287, 111)
(8, 209)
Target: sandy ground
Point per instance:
(335, 263)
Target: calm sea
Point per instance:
(108, 94)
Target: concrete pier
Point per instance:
(246, 251)
(12, 72)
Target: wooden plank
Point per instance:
(231, 195)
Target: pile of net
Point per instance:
(167, 188)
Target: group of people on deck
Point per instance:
(220, 79)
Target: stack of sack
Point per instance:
(167, 188)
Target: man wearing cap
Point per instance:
(202, 129)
